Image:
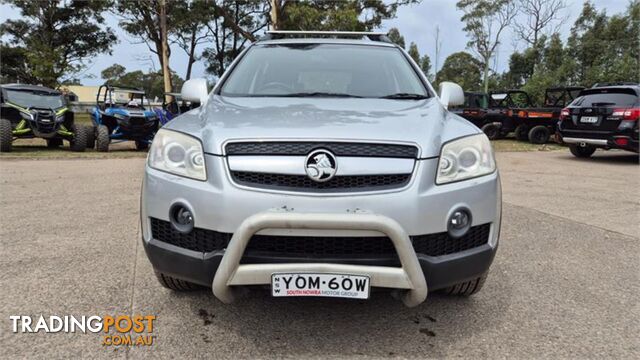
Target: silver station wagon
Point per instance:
(322, 164)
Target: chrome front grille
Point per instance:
(338, 148)
(284, 166)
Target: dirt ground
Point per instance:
(565, 281)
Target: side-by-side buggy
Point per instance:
(122, 115)
(30, 111)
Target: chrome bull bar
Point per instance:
(408, 277)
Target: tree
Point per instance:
(537, 14)
(352, 15)
(152, 81)
(148, 20)
(191, 30)
(414, 52)
(232, 26)
(425, 65)
(54, 39)
(485, 21)
(113, 72)
(14, 65)
(463, 69)
(423, 61)
(395, 37)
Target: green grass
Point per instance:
(511, 145)
(37, 149)
(82, 118)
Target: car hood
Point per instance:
(424, 123)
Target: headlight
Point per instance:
(178, 154)
(465, 158)
(60, 118)
(119, 116)
(26, 116)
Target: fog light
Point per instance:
(459, 223)
(181, 218)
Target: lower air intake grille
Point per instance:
(320, 246)
(198, 240)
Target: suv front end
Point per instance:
(246, 190)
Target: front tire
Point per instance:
(466, 288)
(491, 130)
(79, 141)
(582, 151)
(141, 145)
(522, 132)
(176, 284)
(539, 134)
(6, 135)
(102, 138)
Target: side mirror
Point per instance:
(451, 94)
(195, 90)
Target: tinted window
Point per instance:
(355, 70)
(30, 99)
(606, 100)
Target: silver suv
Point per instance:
(322, 164)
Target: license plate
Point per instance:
(589, 119)
(325, 285)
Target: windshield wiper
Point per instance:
(318, 94)
(405, 96)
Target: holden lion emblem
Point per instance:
(320, 165)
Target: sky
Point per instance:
(417, 23)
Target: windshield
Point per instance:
(124, 97)
(606, 99)
(29, 99)
(323, 70)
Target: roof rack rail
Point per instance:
(373, 36)
(615, 83)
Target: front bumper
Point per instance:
(419, 208)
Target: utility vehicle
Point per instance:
(536, 124)
(121, 114)
(504, 103)
(30, 111)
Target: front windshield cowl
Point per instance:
(324, 70)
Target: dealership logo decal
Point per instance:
(321, 165)
(118, 330)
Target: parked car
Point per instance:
(537, 124)
(173, 108)
(602, 117)
(121, 114)
(29, 111)
(325, 165)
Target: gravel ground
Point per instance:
(565, 281)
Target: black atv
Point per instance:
(29, 111)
